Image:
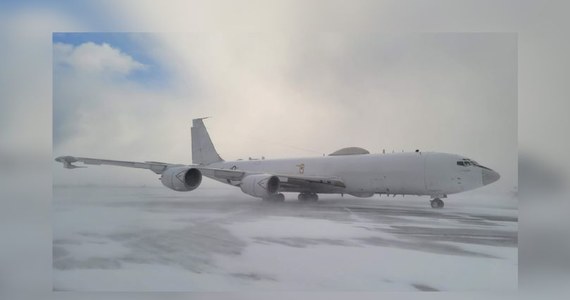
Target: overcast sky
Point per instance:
(132, 96)
(26, 102)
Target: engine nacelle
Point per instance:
(260, 185)
(181, 179)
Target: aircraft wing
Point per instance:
(225, 174)
(301, 180)
(288, 182)
(156, 167)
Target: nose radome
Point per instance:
(490, 176)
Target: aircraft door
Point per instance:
(439, 176)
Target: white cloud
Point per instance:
(94, 58)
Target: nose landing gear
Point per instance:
(436, 203)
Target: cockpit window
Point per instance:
(466, 162)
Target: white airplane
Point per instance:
(351, 171)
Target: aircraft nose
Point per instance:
(490, 176)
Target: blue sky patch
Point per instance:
(132, 44)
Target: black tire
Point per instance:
(437, 203)
(308, 197)
(280, 197)
(433, 204)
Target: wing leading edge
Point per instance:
(156, 167)
(292, 183)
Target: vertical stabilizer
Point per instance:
(203, 151)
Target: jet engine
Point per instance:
(260, 185)
(181, 179)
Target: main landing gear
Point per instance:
(437, 203)
(305, 197)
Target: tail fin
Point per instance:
(203, 151)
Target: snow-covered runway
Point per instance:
(153, 239)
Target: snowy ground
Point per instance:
(153, 239)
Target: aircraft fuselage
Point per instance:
(408, 173)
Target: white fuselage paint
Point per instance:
(415, 173)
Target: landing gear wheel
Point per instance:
(305, 197)
(275, 198)
(314, 197)
(436, 203)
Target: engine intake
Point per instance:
(182, 179)
(260, 185)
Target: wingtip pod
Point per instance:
(68, 161)
(65, 159)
